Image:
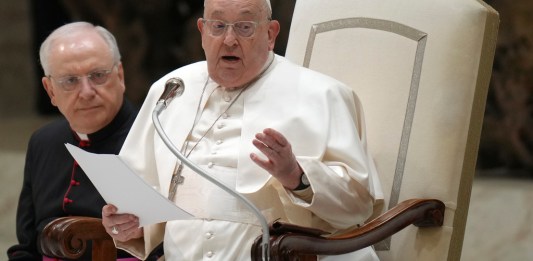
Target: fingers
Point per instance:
(108, 210)
(121, 227)
(268, 151)
(277, 136)
(124, 231)
(273, 140)
(120, 234)
(267, 143)
(265, 164)
(280, 161)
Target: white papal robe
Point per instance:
(321, 118)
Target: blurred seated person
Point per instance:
(289, 139)
(84, 79)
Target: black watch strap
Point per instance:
(304, 182)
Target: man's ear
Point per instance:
(273, 31)
(120, 73)
(200, 25)
(47, 84)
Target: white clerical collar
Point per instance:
(82, 136)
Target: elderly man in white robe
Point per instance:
(290, 140)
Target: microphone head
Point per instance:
(173, 87)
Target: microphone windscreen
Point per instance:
(174, 87)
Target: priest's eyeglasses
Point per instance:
(241, 28)
(73, 82)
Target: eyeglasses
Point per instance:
(241, 28)
(71, 82)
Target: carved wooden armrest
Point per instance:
(290, 242)
(67, 237)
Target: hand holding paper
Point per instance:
(120, 186)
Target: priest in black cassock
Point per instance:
(84, 79)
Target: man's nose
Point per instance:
(86, 87)
(230, 36)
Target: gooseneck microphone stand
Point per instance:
(174, 87)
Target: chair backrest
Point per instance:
(421, 70)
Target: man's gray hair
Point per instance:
(65, 30)
(266, 3)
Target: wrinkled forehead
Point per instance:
(267, 2)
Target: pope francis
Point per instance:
(289, 139)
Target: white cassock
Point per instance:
(319, 116)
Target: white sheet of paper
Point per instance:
(120, 186)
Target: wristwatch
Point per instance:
(304, 182)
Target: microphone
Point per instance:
(173, 87)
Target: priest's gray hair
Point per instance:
(71, 28)
(266, 3)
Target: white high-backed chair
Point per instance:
(421, 69)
